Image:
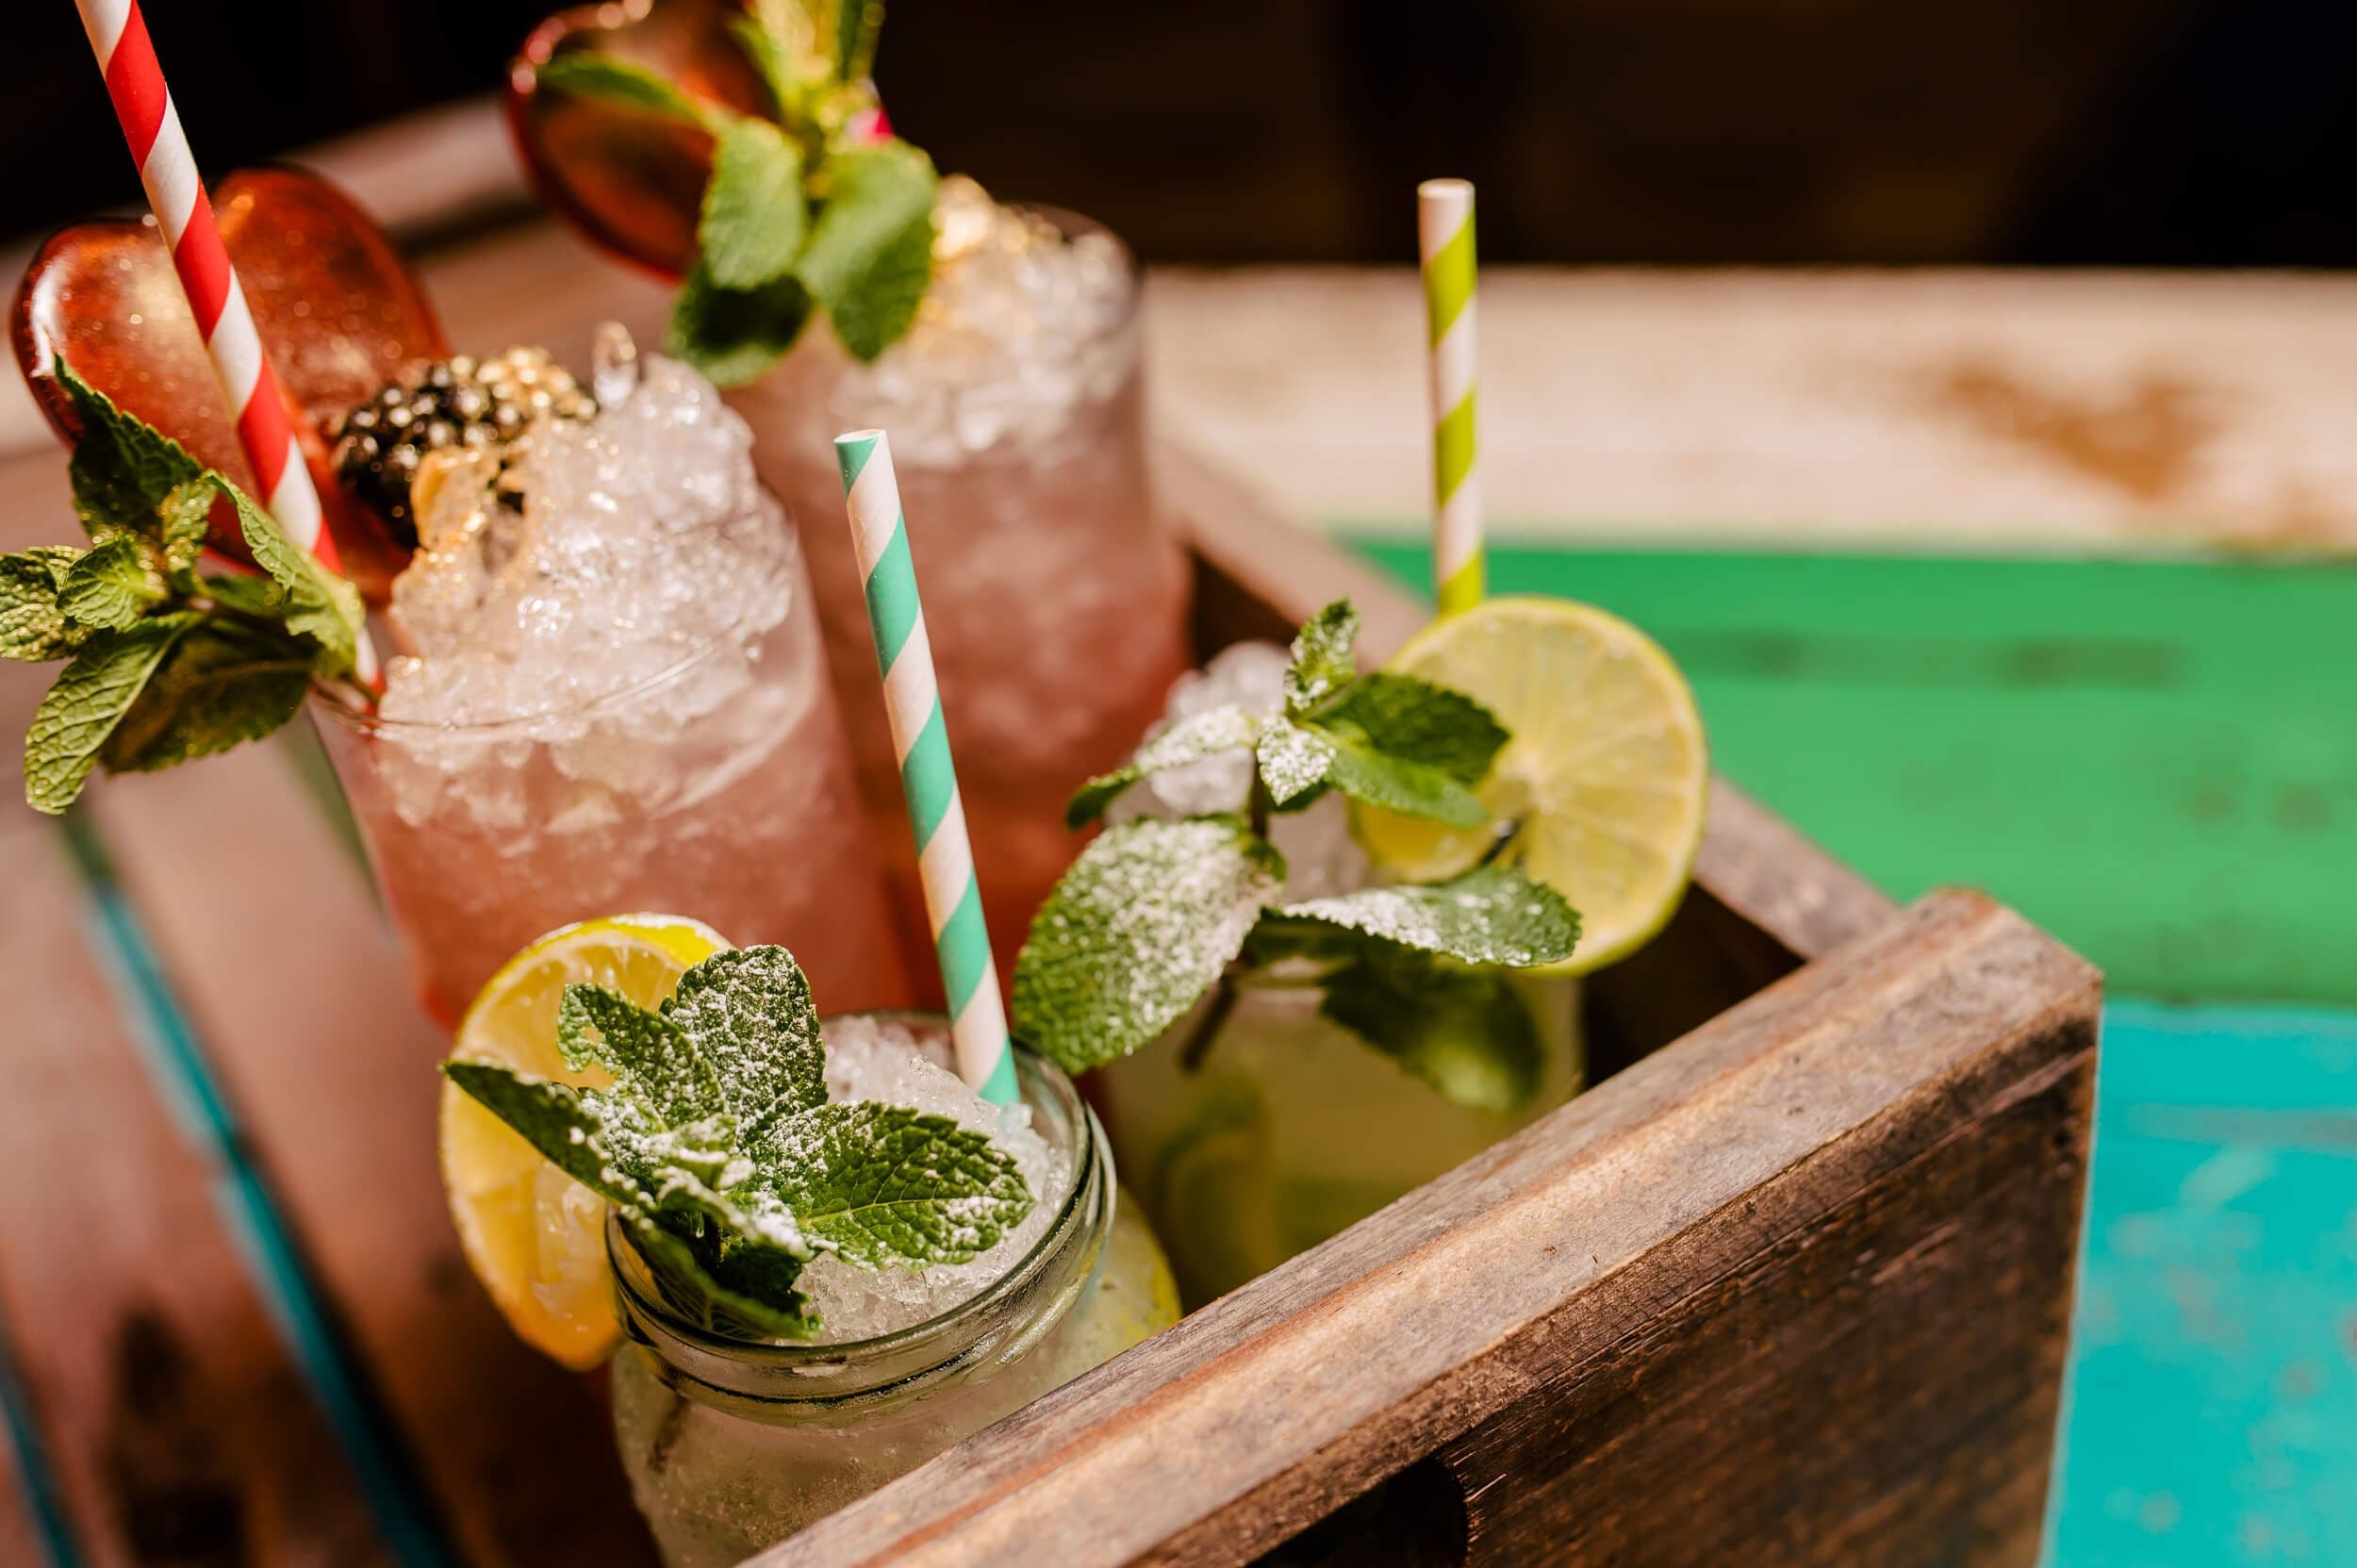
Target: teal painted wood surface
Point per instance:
(2210, 1414)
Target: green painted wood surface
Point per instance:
(2155, 760)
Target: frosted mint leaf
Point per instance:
(182, 523)
(320, 605)
(665, 1165)
(123, 468)
(870, 254)
(1293, 762)
(220, 686)
(1492, 914)
(1395, 783)
(89, 700)
(33, 625)
(734, 334)
(112, 585)
(1323, 660)
(747, 1011)
(648, 1051)
(624, 85)
(547, 1115)
(754, 216)
(1415, 722)
(1463, 1032)
(886, 1186)
(1138, 929)
(689, 1287)
(1230, 728)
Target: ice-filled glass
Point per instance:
(733, 1445)
(1054, 598)
(615, 699)
(1255, 1131)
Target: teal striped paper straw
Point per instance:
(1444, 232)
(929, 781)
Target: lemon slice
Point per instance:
(1606, 772)
(533, 1234)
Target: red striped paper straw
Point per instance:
(176, 193)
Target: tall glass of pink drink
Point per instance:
(618, 700)
(1055, 597)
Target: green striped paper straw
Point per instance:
(1444, 232)
(929, 781)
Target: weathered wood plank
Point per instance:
(277, 950)
(1540, 1268)
(177, 1426)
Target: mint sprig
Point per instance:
(730, 1167)
(165, 664)
(1154, 915)
(799, 217)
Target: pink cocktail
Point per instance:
(618, 702)
(1055, 598)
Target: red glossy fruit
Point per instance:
(631, 180)
(339, 314)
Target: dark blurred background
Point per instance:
(2057, 132)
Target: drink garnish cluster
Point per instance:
(727, 1165)
(1157, 913)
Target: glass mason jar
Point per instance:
(732, 1444)
(720, 786)
(1283, 1127)
(1055, 597)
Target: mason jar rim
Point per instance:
(331, 703)
(905, 1360)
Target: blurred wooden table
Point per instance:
(197, 954)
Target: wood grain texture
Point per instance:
(175, 1425)
(274, 946)
(1602, 1256)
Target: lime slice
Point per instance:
(533, 1234)
(1606, 774)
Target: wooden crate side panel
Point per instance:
(1270, 1408)
(1878, 1387)
(172, 1423)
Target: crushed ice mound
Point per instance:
(1321, 856)
(885, 1059)
(608, 553)
(1023, 325)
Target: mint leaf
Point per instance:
(81, 710)
(1322, 657)
(887, 1186)
(869, 258)
(548, 1115)
(246, 594)
(220, 687)
(753, 214)
(1490, 915)
(856, 25)
(122, 468)
(1231, 728)
(595, 1027)
(33, 624)
(1416, 721)
(690, 1286)
(770, 59)
(1463, 1032)
(320, 605)
(112, 585)
(185, 519)
(1136, 931)
(731, 336)
(624, 85)
(747, 1013)
(1395, 783)
(1293, 763)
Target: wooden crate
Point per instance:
(1789, 1285)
